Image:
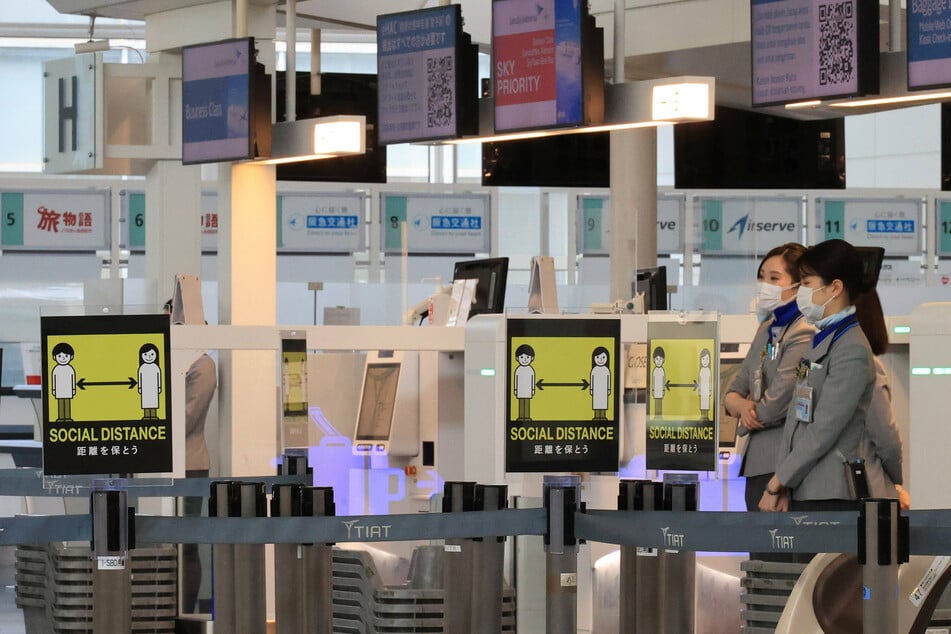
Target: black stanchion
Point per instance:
(640, 569)
(562, 496)
(318, 565)
(111, 574)
(677, 566)
(487, 569)
(882, 546)
(458, 562)
(239, 596)
(289, 597)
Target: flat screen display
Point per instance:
(216, 101)
(537, 65)
(929, 43)
(812, 49)
(419, 67)
(378, 402)
(492, 274)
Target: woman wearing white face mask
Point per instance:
(760, 393)
(836, 379)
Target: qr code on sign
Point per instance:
(836, 43)
(441, 79)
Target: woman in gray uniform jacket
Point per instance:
(760, 393)
(881, 442)
(836, 378)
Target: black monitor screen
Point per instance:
(653, 283)
(226, 103)
(492, 274)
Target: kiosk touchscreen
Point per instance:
(381, 379)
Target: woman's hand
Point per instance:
(904, 498)
(745, 410)
(775, 497)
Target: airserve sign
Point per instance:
(744, 224)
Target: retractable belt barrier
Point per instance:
(693, 531)
(32, 482)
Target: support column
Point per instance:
(633, 206)
(247, 295)
(172, 216)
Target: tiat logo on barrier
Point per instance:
(672, 540)
(780, 542)
(803, 520)
(370, 531)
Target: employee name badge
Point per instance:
(804, 403)
(756, 393)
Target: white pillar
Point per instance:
(247, 295)
(173, 231)
(633, 206)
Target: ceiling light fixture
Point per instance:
(639, 104)
(319, 138)
(881, 101)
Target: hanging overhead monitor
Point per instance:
(226, 103)
(813, 49)
(929, 44)
(548, 65)
(428, 76)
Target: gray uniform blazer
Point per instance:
(842, 378)
(778, 378)
(201, 379)
(881, 444)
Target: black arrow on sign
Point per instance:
(669, 385)
(540, 384)
(83, 383)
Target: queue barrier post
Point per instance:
(640, 569)
(487, 573)
(458, 563)
(678, 567)
(111, 573)
(239, 594)
(561, 496)
(882, 547)
(289, 594)
(318, 565)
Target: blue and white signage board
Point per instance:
(943, 230)
(327, 223)
(55, 220)
(132, 217)
(436, 223)
(670, 223)
(901, 272)
(747, 226)
(891, 223)
(417, 70)
(929, 44)
(593, 224)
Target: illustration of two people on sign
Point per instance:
(599, 386)
(703, 385)
(63, 381)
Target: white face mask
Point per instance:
(769, 297)
(810, 312)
